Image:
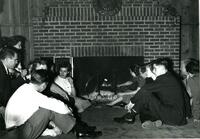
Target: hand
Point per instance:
(24, 72)
(66, 97)
(55, 128)
(129, 106)
(133, 73)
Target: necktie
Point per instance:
(7, 70)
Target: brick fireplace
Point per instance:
(72, 28)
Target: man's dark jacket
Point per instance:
(5, 86)
(169, 96)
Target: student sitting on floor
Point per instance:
(27, 108)
(161, 101)
(81, 129)
(64, 81)
(139, 78)
(192, 86)
(8, 60)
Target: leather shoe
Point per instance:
(125, 119)
(89, 134)
(87, 127)
(90, 128)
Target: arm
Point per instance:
(129, 82)
(129, 92)
(62, 95)
(72, 87)
(125, 84)
(52, 104)
(57, 89)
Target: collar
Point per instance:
(6, 69)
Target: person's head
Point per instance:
(134, 70)
(38, 64)
(42, 65)
(143, 71)
(183, 71)
(39, 78)
(161, 66)
(3, 42)
(17, 42)
(64, 69)
(9, 57)
(192, 67)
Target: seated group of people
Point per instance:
(165, 99)
(35, 102)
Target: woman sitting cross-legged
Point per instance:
(64, 81)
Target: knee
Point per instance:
(41, 115)
(45, 112)
(70, 123)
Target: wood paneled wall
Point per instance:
(16, 17)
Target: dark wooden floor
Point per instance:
(102, 116)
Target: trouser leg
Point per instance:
(146, 115)
(38, 122)
(35, 125)
(64, 121)
(146, 101)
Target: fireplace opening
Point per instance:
(102, 73)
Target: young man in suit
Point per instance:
(8, 60)
(161, 101)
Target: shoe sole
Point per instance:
(90, 135)
(124, 121)
(150, 124)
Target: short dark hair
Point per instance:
(165, 61)
(65, 65)
(39, 76)
(192, 66)
(144, 66)
(7, 52)
(13, 40)
(4, 42)
(135, 69)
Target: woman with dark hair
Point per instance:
(161, 101)
(65, 81)
(139, 76)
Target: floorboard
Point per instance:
(101, 116)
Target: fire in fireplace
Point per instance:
(99, 73)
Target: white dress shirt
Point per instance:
(26, 101)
